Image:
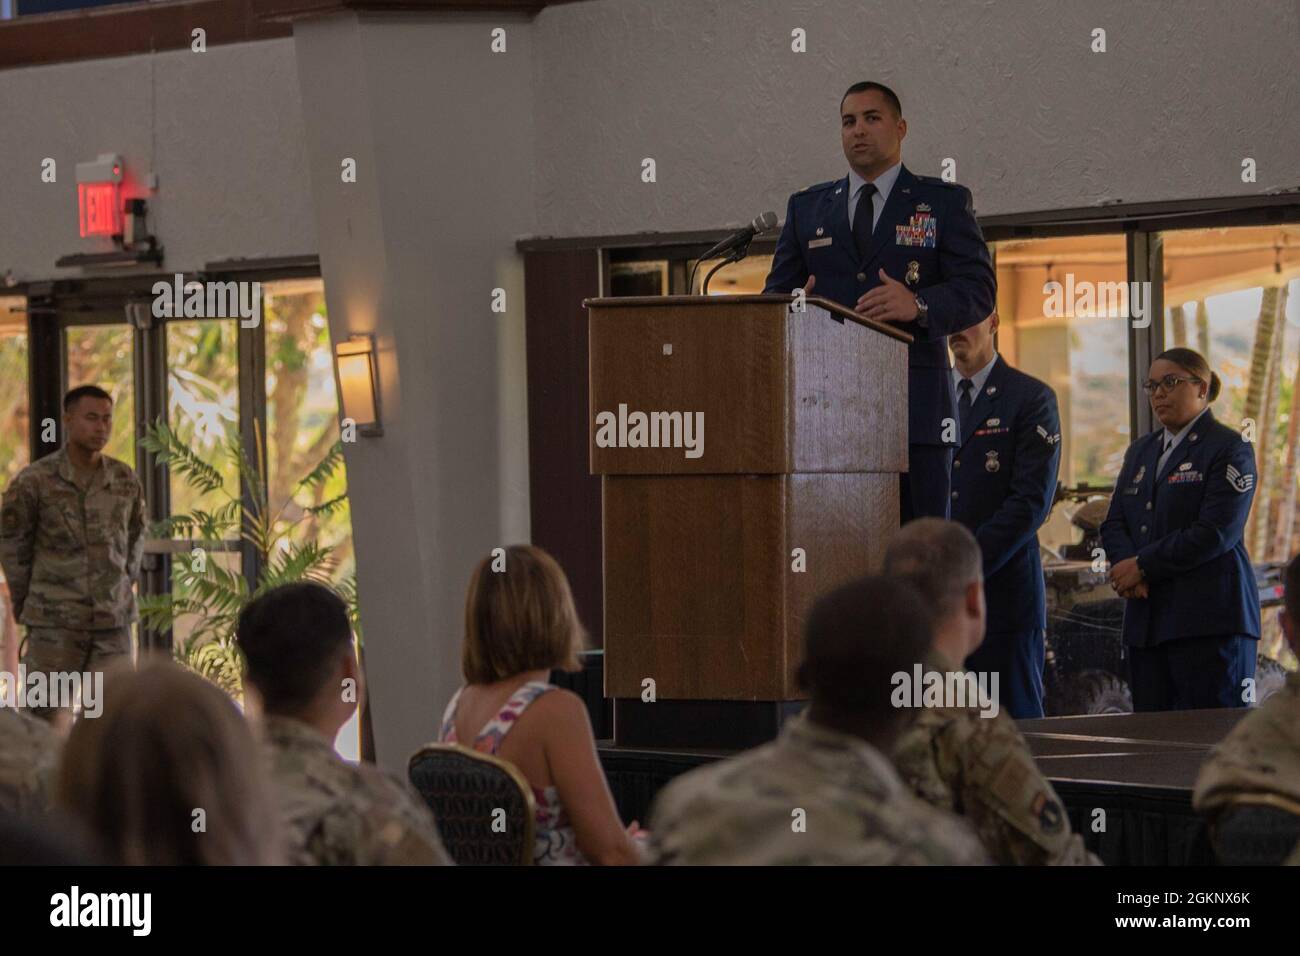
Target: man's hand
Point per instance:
(891, 302)
(1138, 592)
(1125, 575)
(808, 286)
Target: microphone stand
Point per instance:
(734, 256)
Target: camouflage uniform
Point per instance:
(1260, 756)
(981, 768)
(29, 752)
(339, 814)
(856, 809)
(71, 557)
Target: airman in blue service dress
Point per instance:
(927, 238)
(1003, 483)
(1192, 641)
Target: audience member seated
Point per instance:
(297, 644)
(824, 792)
(29, 754)
(972, 759)
(520, 624)
(25, 841)
(169, 774)
(1258, 763)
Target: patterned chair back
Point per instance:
(1256, 830)
(484, 807)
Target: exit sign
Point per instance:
(99, 209)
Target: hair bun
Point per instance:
(1215, 385)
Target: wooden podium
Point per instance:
(714, 554)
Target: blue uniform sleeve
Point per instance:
(1229, 489)
(789, 271)
(1033, 484)
(1115, 538)
(967, 291)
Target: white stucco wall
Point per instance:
(1009, 89)
(222, 129)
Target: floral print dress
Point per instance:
(554, 842)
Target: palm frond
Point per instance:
(324, 469)
(167, 446)
(337, 503)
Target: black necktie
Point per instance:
(862, 220)
(964, 403)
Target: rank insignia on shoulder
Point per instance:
(1053, 439)
(1240, 483)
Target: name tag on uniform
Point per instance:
(818, 243)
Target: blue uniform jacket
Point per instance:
(1185, 526)
(927, 237)
(1003, 481)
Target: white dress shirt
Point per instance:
(977, 380)
(884, 184)
(1177, 440)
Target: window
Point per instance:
(15, 440)
(102, 355)
(1232, 294)
(1078, 345)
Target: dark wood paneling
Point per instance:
(564, 496)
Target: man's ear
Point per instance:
(975, 598)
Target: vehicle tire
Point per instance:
(1096, 692)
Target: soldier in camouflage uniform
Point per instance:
(338, 814)
(824, 792)
(71, 542)
(29, 752)
(1261, 756)
(967, 760)
(297, 644)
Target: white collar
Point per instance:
(884, 183)
(978, 379)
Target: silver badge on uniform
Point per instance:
(913, 272)
(1138, 477)
(993, 422)
(991, 461)
(820, 230)
(991, 390)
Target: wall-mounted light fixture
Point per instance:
(359, 383)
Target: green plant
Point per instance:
(213, 594)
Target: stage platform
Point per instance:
(1138, 770)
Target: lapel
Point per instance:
(985, 404)
(838, 217)
(900, 198)
(1185, 447)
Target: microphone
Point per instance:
(742, 237)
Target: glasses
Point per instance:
(1168, 383)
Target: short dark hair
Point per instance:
(1291, 583)
(291, 638)
(866, 86)
(83, 391)
(857, 637)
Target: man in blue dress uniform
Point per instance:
(1003, 483)
(894, 247)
